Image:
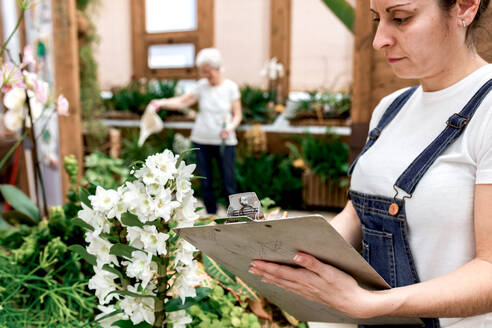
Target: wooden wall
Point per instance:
(373, 77)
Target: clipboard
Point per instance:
(235, 245)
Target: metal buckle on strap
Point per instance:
(374, 134)
(394, 208)
(458, 121)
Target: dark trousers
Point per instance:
(226, 159)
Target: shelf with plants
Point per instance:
(129, 102)
(320, 108)
(325, 164)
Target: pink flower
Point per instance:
(28, 57)
(11, 76)
(41, 91)
(62, 106)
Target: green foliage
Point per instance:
(72, 169)
(227, 279)
(131, 152)
(20, 202)
(255, 104)
(105, 171)
(271, 176)
(326, 156)
(344, 11)
(331, 105)
(222, 310)
(137, 95)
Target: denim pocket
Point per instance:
(379, 252)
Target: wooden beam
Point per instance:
(68, 81)
(139, 50)
(361, 110)
(280, 38)
(205, 21)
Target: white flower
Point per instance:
(105, 201)
(162, 167)
(185, 215)
(139, 308)
(179, 319)
(100, 248)
(184, 253)
(186, 281)
(108, 322)
(94, 219)
(103, 283)
(141, 267)
(13, 119)
(163, 205)
(183, 184)
(154, 241)
(15, 99)
(28, 56)
(132, 195)
(133, 237)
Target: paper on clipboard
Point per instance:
(235, 245)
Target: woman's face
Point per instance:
(417, 37)
(210, 73)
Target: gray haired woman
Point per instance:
(214, 130)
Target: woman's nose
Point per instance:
(383, 37)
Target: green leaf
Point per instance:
(81, 223)
(177, 304)
(244, 290)
(129, 293)
(84, 197)
(17, 218)
(217, 271)
(183, 154)
(129, 324)
(108, 268)
(131, 220)
(91, 259)
(122, 250)
(20, 202)
(109, 315)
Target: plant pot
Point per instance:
(315, 192)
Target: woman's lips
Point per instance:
(394, 60)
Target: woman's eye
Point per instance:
(400, 20)
(376, 19)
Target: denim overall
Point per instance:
(384, 227)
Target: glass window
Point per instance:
(170, 15)
(171, 56)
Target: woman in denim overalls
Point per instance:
(427, 40)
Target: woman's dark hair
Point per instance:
(446, 5)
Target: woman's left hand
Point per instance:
(318, 282)
(224, 134)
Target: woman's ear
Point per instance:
(466, 11)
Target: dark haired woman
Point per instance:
(421, 190)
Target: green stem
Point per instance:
(21, 17)
(12, 149)
(160, 313)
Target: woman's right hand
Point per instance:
(158, 104)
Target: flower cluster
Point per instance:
(21, 87)
(139, 214)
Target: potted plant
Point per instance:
(325, 164)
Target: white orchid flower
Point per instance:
(15, 99)
(141, 267)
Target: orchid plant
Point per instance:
(26, 98)
(140, 264)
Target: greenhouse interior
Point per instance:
(232, 163)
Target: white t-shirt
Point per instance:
(215, 108)
(440, 213)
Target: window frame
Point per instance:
(202, 37)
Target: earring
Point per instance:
(464, 23)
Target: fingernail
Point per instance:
(253, 264)
(297, 259)
(252, 270)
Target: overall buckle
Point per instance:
(458, 121)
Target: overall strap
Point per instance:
(388, 116)
(455, 126)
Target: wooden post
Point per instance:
(280, 39)
(139, 50)
(360, 112)
(67, 82)
(206, 19)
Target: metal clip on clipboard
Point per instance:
(243, 207)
